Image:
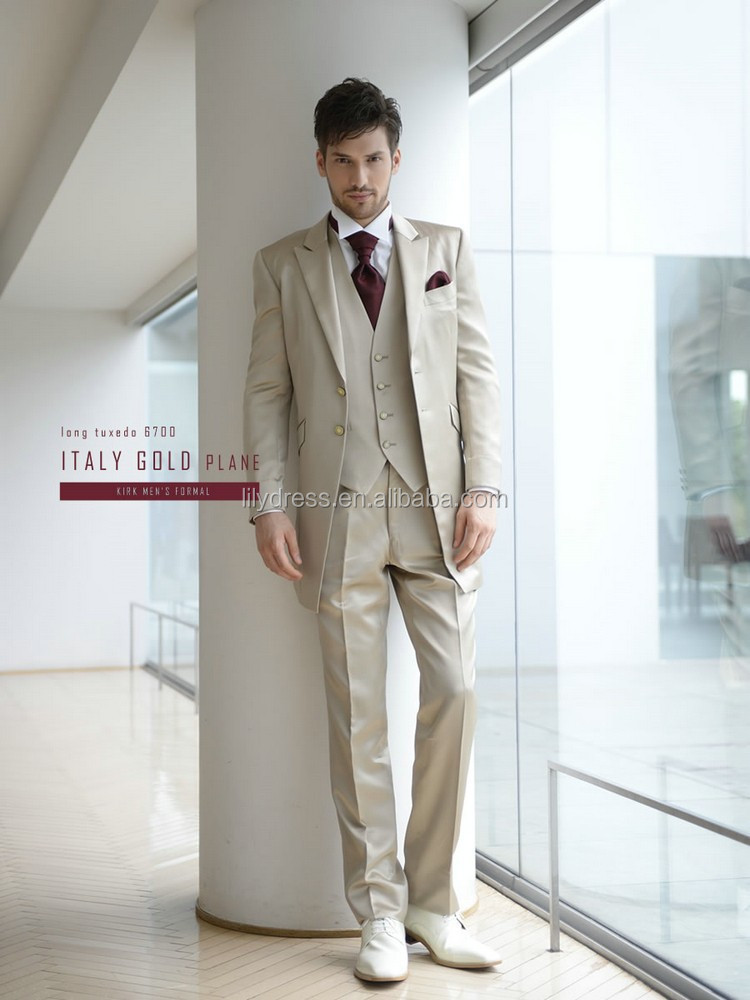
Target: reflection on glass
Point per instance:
(709, 361)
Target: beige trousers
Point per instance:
(368, 545)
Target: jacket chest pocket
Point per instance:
(443, 297)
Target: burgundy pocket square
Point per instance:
(438, 279)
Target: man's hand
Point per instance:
(475, 527)
(277, 541)
(717, 516)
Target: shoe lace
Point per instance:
(382, 924)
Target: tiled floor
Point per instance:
(98, 872)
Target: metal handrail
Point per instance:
(553, 769)
(162, 616)
(190, 606)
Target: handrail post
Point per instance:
(554, 862)
(159, 657)
(172, 675)
(132, 637)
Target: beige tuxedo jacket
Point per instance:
(297, 352)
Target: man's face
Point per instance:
(359, 173)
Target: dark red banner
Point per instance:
(159, 491)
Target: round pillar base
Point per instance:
(293, 932)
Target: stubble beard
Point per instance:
(367, 211)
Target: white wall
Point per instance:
(69, 569)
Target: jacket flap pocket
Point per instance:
(455, 417)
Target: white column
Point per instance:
(269, 844)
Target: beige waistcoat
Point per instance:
(382, 424)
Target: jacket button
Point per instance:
(381, 385)
(382, 414)
(386, 444)
(341, 390)
(339, 429)
(378, 357)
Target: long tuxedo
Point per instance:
(410, 405)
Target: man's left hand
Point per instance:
(475, 527)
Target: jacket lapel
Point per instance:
(315, 263)
(412, 254)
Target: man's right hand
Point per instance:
(277, 542)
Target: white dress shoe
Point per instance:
(447, 940)
(383, 957)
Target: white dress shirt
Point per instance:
(379, 227)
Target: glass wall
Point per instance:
(173, 525)
(611, 228)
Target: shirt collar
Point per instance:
(380, 225)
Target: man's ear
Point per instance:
(321, 163)
(396, 161)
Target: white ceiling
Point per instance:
(124, 213)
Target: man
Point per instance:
(372, 324)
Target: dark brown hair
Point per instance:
(353, 107)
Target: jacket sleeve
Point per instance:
(268, 391)
(477, 386)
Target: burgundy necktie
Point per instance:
(367, 280)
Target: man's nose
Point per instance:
(360, 176)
